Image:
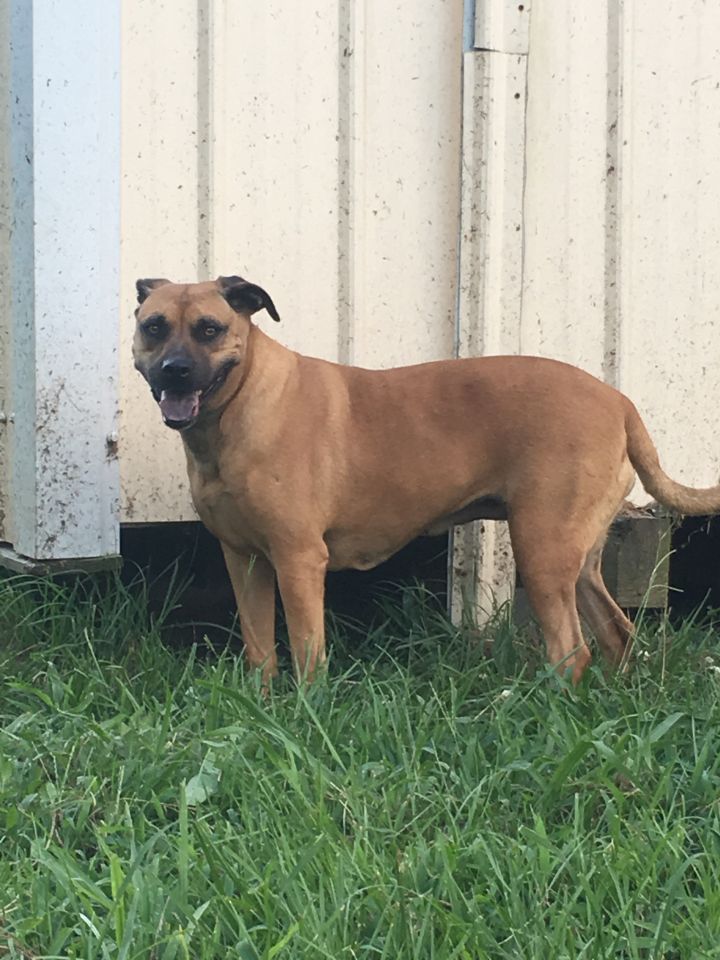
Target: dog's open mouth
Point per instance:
(181, 410)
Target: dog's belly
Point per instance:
(350, 550)
(363, 549)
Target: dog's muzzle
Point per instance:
(181, 408)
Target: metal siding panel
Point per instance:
(273, 125)
(405, 128)
(492, 214)
(621, 241)
(76, 105)
(60, 271)
(160, 215)
(670, 242)
(566, 193)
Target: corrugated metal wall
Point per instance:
(312, 148)
(319, 149)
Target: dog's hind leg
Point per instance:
(253, 581)
(613, 630)
(549, 562)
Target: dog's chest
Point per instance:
(226, 512)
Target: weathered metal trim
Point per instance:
(16, 562)
(502, 26)
(469, 13)
(491, 270)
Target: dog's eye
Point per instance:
(208, 329)
(154, 328)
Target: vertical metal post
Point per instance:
(482, 571)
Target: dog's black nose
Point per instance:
(176, 367)
(176, 371)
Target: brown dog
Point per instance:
(299, 466)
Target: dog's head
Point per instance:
(190, 337)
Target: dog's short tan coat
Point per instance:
(299, 466)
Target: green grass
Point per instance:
(423, 802)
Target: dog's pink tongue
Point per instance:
(179, 407)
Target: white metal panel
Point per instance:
(566, 191)
(405, 127)
(161, 212)
(621, 264)
(492, 216)
(76, 105)
(670, 232)
(61, 270)
(273, 131)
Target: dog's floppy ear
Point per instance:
(145, 288)
(246, 297)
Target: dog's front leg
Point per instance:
(253, 581)
(301, 579)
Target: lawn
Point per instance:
(423, 802)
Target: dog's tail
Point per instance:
(691, 501)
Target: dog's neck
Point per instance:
(254, 385)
